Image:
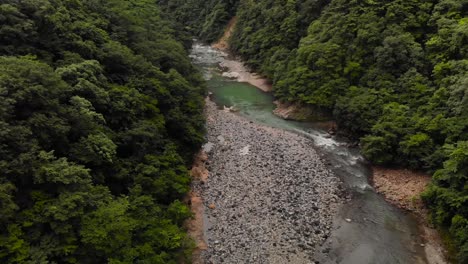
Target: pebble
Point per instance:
(272, 191)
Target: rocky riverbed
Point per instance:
(269, 198)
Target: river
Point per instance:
(366, 229)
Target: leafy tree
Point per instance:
(448, 195)
(100, 114)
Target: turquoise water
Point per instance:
(378, 233)
(251, 102)
(242, 96)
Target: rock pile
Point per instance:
(269, 197)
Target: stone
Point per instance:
(231, 75)
(263, 193)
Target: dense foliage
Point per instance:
(205, 19)
(267, 31)
(100, 112)
(100, 109)
(394, 74)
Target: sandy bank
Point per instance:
(235, 69)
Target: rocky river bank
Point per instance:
(403, 188)
(269, 198)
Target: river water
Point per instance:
(366, 229)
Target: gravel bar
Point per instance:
(269, 197)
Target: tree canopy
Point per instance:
(100, 113)
(101, 109)
(203, 19)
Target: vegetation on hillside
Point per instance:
(101, 109)
(204, 19)
(100, 112)
(393, 73)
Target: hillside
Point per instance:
(100, 113)
(101, 110)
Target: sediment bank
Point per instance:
(269, 197)
(403, 188)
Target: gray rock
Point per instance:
(276, 196)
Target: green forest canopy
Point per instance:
(394, 74)
(203, 19)
(100, 112)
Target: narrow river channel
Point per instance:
(366, 229)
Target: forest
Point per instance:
(205, 20)
(101, 109)
(392, 73)
(100, 114)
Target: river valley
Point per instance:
(282, 191)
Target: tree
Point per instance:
(448, 195)
(100, 113)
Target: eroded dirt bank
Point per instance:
(269, 198)
(403, 188)
(234, 67)
(195, 226)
